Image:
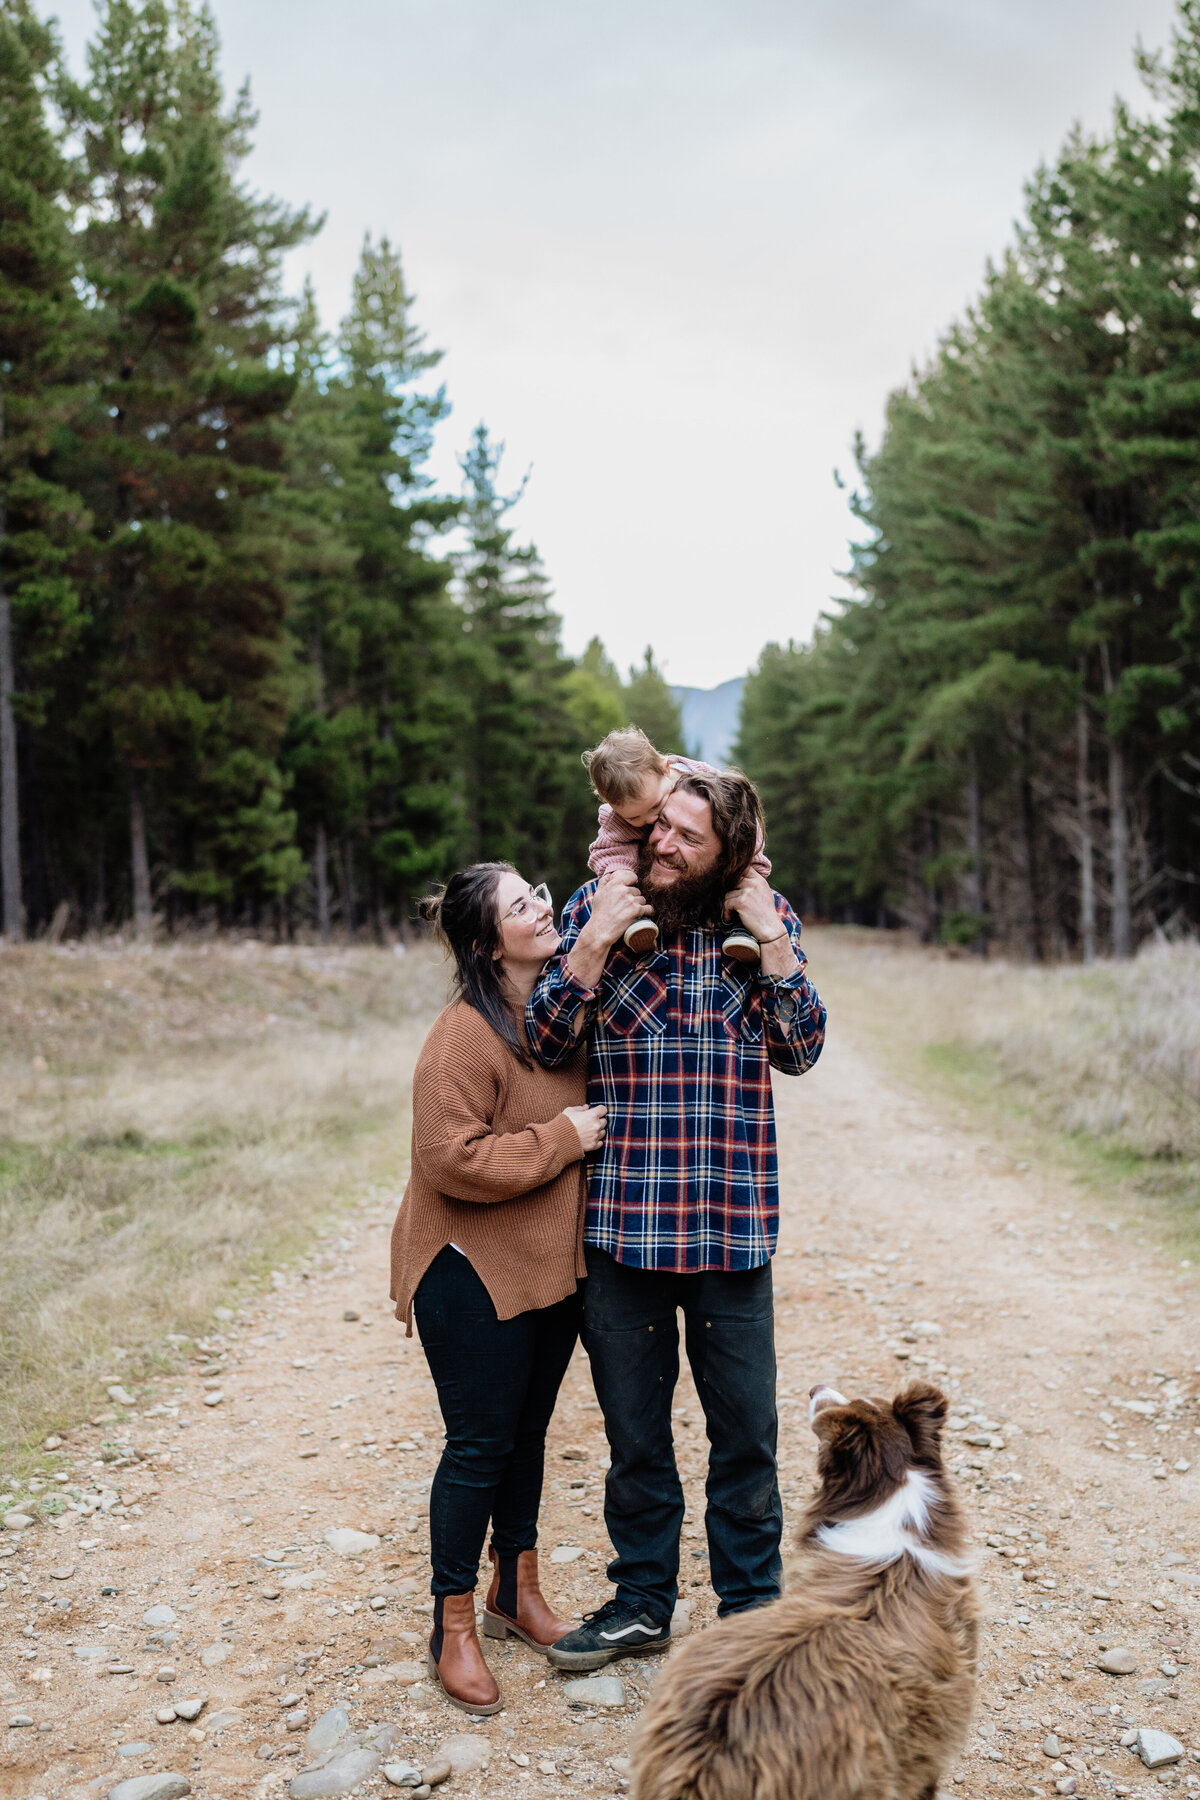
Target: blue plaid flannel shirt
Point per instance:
(681, 1048)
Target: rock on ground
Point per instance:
(1157, 1748)
(344, 1542)
(329, 1730)
(595, 1690)
(151, 1787)
(466, 1751)
(337, 1777)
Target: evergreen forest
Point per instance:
(997, 739)
(255, 670)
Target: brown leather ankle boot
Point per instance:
(456, 1659)
(516, 1603)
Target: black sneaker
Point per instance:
(610, 1632)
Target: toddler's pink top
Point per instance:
(617, 843)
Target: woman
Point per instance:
(487, 1252)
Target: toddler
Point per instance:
(632, 779)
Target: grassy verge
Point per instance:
(175, 1123)
(172, 1124)
(1095, 1070)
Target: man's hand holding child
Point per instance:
(754, 903)
(617, 902)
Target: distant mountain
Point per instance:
(710, 718)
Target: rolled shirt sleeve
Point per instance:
(792, 1013)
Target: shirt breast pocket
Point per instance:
(634, 1002)
(741, 1008)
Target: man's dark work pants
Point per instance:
(631, 1335)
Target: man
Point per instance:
(683, 1199)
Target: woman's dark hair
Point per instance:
(465, 918)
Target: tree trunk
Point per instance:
(10, 806)
(10, 811)
(1118, 827)
(1031, 924)
(932, 895)
(321, 866)
(1026, 889)
(100, 901)
(38, 889)
(1087, 871)
(378, 911)
(973, 882)
(143, 915)
(349, 909)
(1118, 832)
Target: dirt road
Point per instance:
(1069, 1349)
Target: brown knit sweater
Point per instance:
(496, 1169)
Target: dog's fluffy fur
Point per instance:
(858, 1683)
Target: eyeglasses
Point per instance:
(538, 896)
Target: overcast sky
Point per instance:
(676, 253)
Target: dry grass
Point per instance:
(1106, 1060)
(173, 1123)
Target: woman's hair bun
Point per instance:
(429, 907)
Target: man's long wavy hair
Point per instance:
(737, 817)
(464, 916)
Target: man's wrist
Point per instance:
(586, 958)
(592, 941)
(779, 959)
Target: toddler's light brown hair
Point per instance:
(621, 763)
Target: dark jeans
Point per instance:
(631, 1334)
(497, 1381)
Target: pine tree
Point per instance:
(1023, 657)
(527, 795)
(649, 704)
(394, 704)
(774, 745)
(182, 459)
(40, 315)
(593, 695)
(320, 568)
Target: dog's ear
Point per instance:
(922, 1408)
(859, 1449)
(835, 1423)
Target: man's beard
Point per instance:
(692, 902)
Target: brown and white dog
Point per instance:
(858, 1683)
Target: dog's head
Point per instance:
(869, 1448)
